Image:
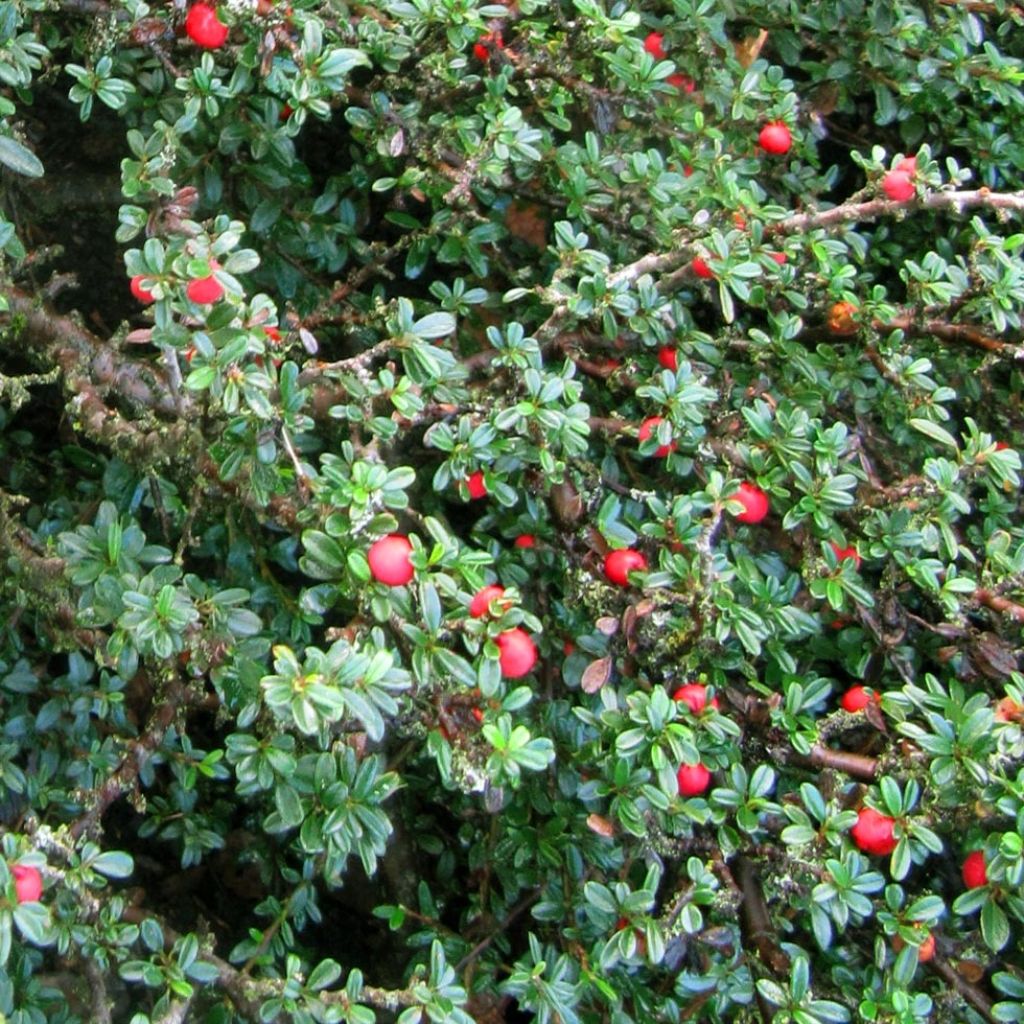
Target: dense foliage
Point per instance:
(732, 288)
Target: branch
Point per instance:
(857, 766)
(248, 993)
(999, 604)
(946, 331)
(847, 213)
(125, 777)
(970, 994)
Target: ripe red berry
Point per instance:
(775, 138)
(754, 501)
(620, 563)
(28, 883)
(668, 357)
(908, 164)
(898, 187)
(204, 290)
(203, 27)
(649, 428)
(687, 171)
(139, 292)
(974, 871)
(476, 485)
(518, 653)
(1001, 446)
(653, 44)
(482, 47)
(855, 699)
(873, 832)
(525, 540)
(389, 560)
(695, 696)
(684, 83)
(779, 257)
(692, 779)
(482, 599)
(700, 268)
(848, 552)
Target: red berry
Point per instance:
(668, 357)
(925, 951)
(648, 428)
(389, 560)
(849, 552)
(695, 696)
(204, 290)
(908, 165)
(898, 187)
(568, 647)
(687, 171)
(974, 871)
(856, 698)
(620, 563)
(476, 485)
(1001, 446)
(273, 334)
(518, 653)
(873, 832)
(653, 45)
(754, 501)
(779, 257)
(775, 138)
(28, 883)
(139, 292)
(480, 51)
(481, 603)
(700, 268)
(525, 540)
(692, 779)
(203, 27)
(684, 83)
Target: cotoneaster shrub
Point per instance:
(691, 330)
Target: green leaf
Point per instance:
(113, 864)
(19, 159)
(935, 432)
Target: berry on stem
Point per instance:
(654, 45)
(754, 501)
(855, 699)
(204, 290)
(204, 28)
(974, 871)
(840, 318)
(475, 484)
(695, 697)
(898, 186)
(668, 357)
(28, 883)
(775, 138)
(848, 552)
(873, 832)
(692, 779)
(620, 563)
(389, 560)
(525, 540)
(701, 269)
(139, 292)
(518, 653)
(649, 428)
(684, 83)
(481, 603)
